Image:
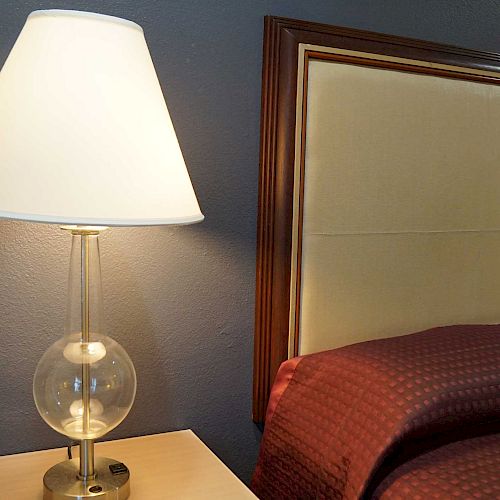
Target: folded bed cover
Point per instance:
(465, 469)
(340, 421)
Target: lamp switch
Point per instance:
(118, 468)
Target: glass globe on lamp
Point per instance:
(58, 385)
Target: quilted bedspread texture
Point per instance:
(464, 469)
(340, 422)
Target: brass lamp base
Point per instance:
(61, 481)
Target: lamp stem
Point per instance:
(86, 445)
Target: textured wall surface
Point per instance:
(180, 299)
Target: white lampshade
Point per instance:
(85, 134)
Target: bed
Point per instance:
(379, 419)
(378, 217)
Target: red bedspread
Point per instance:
(466, 469)
(340, 421)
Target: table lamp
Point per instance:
(86, 142)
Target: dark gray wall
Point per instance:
(181, 299)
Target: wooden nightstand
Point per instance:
(162, 466)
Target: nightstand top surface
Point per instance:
(162, 466)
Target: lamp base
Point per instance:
(61, 481)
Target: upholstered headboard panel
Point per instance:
(401, 204)
(379, 209)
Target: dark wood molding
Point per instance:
(277, 150)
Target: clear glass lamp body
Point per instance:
(85, 383)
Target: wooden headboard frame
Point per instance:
(277, 154)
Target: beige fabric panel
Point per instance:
(401, 205)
